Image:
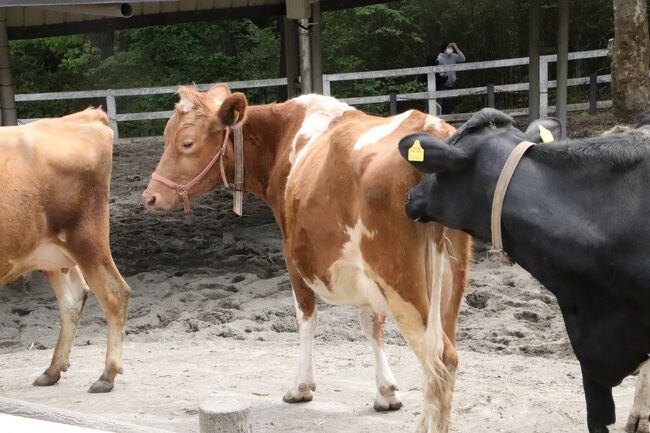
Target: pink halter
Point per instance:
(183, 191)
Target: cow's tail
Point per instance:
(439, 377)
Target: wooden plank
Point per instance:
(151, 8)
(187, 5)
(34, 17)
(144, 116)
(53, 17)
(68, 417)
(88, 94)
(169, 16)
(15, 17)
(12, 423)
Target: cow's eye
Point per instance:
(187, 144)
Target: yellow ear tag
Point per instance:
(235, 115)
(547, 136)
(416, 153)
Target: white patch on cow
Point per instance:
(319, 112)
(433, 123)
(641, 408)
(348, 276)
(185, 105)
(373, 135)
(304, 385)
(387, 395)
(61, 236)
(48, 257)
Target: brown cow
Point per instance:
(55, 179)
(336, 185)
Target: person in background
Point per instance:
(449, 54)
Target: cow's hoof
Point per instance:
(636, 424)
(597, 428)
(387, 407)
(100, 386)
(303, 394)
(46, 380)
(387, 399)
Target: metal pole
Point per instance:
(533, 54)
(490, 95)
(7, 98)
(392, 103)
(290, 31)
(543, 88)
(431, 93)
(593, 93)
(562, 61)
(316, 56)
(305, 56)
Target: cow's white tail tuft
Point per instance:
(439, 384)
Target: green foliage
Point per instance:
(393, 35)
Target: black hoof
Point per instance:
(593, 428)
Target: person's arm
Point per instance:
(460, 57)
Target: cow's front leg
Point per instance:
(639, 419)
(600, 405)
(303, 386)
(387, 396)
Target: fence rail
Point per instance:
(431, 94)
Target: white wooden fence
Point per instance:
(431, 95)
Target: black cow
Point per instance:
(576, 216)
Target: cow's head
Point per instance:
(193, 136)
(464, 169)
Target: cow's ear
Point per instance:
(431, 155)
(545, 130)
(232, 110)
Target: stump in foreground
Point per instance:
(225, 414)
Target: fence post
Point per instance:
(431, 93)
(543, 87)
(593, 93)
(111, 110)
(392, 104)
(490, 95)
(327, 88)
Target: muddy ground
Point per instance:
(212, 311)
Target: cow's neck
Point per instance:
(265, 153)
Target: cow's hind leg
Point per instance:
(90, 246)
(600, 405)
(71, 294)
(113, 294)
(387, 395)
(639, 419)
(303, 387)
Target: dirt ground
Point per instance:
(212, 312)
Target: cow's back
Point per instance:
(50, 170)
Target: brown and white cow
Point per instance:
(336, 185)
(54, 190)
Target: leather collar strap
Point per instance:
(238, 194)
(496, 252)
(183, 191)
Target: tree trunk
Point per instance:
(630, 60)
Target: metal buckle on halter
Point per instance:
(181, 190)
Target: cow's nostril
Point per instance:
(149, 200)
